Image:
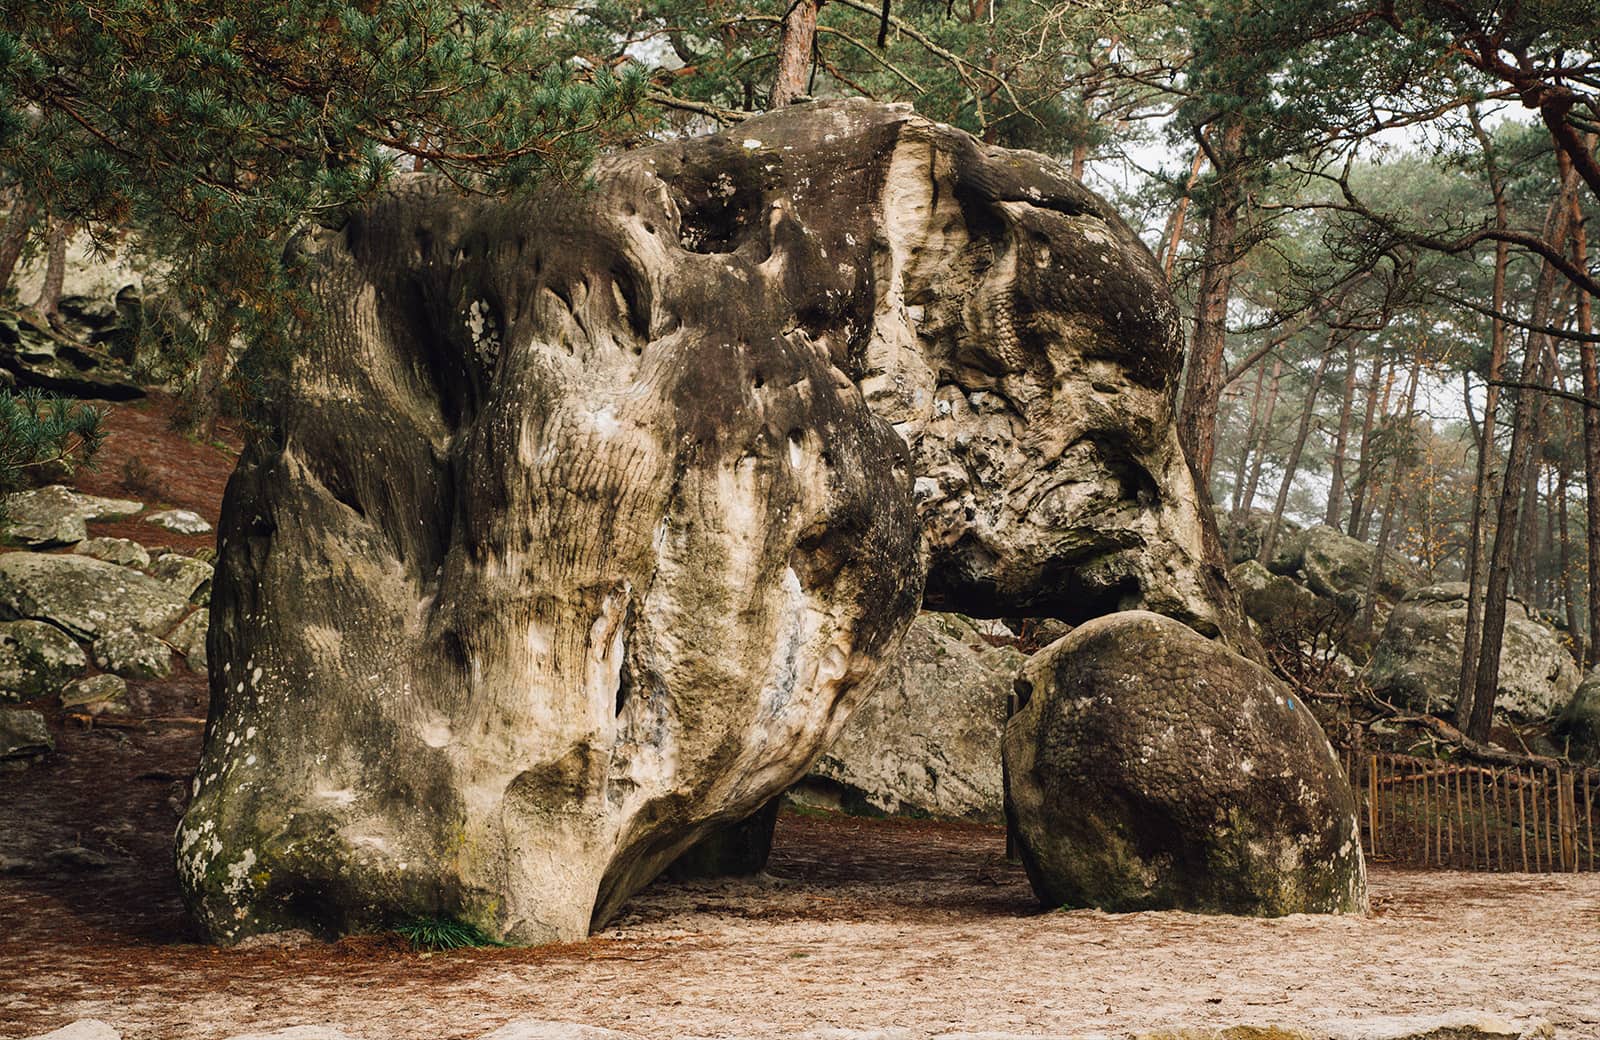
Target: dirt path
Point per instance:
(857, 924)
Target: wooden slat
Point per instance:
(1522, 822)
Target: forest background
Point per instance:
(1374, 212)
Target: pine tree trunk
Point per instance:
(1358, 498)
(24, 210)
(1527, 538)
(1574, 626)
(1247, 501)
(1269, 541)
(1241, 472)
(1197, 418)
(1481, 490)
(796, 41)
(1527, 407)
(1591, 440)
(204, 399)
(55, 270)
(1335, 511)
(1172, 235)
(1386, 522)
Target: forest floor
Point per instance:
(856, 924)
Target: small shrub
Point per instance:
(137, 479)
(38, 431)
(440, 933)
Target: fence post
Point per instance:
(1372, 802)
(1522, 822)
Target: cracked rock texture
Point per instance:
(588, 518)
(927, 741)
(1154, 769)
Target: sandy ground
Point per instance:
(857, 924)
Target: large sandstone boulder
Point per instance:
(1417, 661)
(927, 740)
(1152, 768)
(85, 596)
(587, 519)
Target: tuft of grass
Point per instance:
(437, 933)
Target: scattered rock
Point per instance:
(544, 1029)
(77, 857)
(1152, 768)
(1417, 661)
(1454, 1025)
(293, 939)
(189, 639)
(85, 596)
(185, 575)
(1271, 599)
(124, 552)
(83, 1029)
(927, 741)
(1578, 726)
(57, 515)
(133, 655)
(33, 356)
(36, 659)
(23, 736)
(181, 521)
(97, 695)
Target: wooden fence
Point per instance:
(1430, 813)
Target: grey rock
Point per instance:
(180, 521)
(1271, 599)
(189, 639)
(77, 857)
(31, 356)
(1417, 661)
(36, 659)
(133, 655)
(85, 596)
(23, 735)
(123, 552)
(1152, 768)
(1578, 726)
(1339, 567)
(185, 575)
(927, 741)
(83, 1029)
(56, 515)
(97, 694)
(601, 558)
(546, 1029)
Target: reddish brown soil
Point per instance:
(857, 923)
(167, 469)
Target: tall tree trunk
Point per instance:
(1241, 472)
(1574, 627)
(1358, 498)
(1247, 501)
(1522, 576)
(1591, 437)
(1269, 541)
(1197, 419)
(24, 210)
(1386, 522)
(55, 270)
(1341, 442)
(796, 41)
(1527, 407)
(1481, 489)
(1173, 233)
(204, 398)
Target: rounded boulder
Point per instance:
(1151, 768)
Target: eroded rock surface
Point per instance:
(57, 515)
(36, 659)
(1154, 769)
(85, 596)
(588, 518)
(1417, 661)
(927, 740)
